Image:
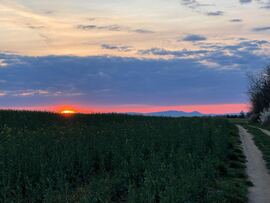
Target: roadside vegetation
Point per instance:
(259, 93)
(47, 157)
(263, 143)
(259, 116)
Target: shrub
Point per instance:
(259, 93)
(265, 116)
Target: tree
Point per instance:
(242, 115)
(259, 92)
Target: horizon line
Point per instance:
(219, 109)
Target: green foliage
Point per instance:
(263, 142)
(46, 157)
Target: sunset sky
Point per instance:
(131, 56)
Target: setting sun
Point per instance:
(68, 111)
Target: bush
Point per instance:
(259, 93)
(265, 116)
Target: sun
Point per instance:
(67, 112)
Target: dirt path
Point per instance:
(256, 169)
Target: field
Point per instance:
(47, 157)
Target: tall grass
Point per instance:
(116, 158)
(263, 142)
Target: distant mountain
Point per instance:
(171, 114)
(176, 114)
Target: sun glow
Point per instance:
(68, 112)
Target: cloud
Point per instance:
(105, 27)
(260, 29)
(176, 53)
(2, 94)
(91, 19)
(49, 12)
(3, 63)
(143, 31)
(26, 93)
(35, 27)
(36, 92)
(189, 2)
(116, 47)
(210, 64)
(236, 20)
(45, 38)
(245, 1)
(107, 80)
(113, 28)
(244, 42)
(265, 4)
(194, 38)
(194, 4)
(240, 55)
(215, 13)
(197, 7)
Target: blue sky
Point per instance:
(154, 52)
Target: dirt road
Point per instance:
(256, 169)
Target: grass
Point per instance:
(46, 157)
(263, 142)
(240, 121)
(267, 127)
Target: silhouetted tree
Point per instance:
(242, 115)
(259, 92)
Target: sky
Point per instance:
(131, 56)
